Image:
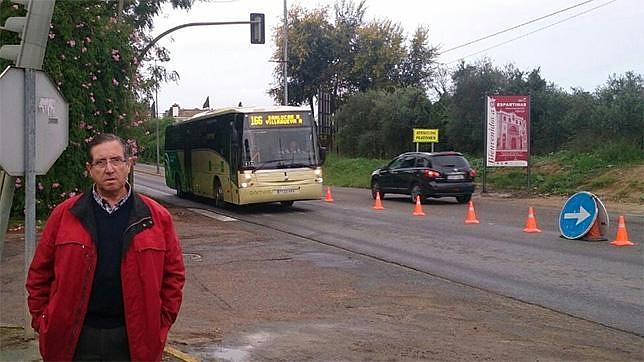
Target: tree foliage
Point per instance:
(345, 55)
(578, 120)
(378, 123)
(92, 56)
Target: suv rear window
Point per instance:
(450, 161)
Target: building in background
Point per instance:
(180, 114)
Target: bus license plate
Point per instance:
(455, 177)
(290, 190)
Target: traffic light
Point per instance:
(257, 28)
(33, 29)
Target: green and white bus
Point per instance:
(246, 155)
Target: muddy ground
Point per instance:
(254, 294)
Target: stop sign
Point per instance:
(52, 126)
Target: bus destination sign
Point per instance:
(275, 120)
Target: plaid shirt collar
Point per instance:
(106, 205)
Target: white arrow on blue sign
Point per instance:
(578, 215)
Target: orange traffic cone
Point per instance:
(378, 204)
(594, 234)
(622, 235)
(328, 197)
(531, 222)
(418, 210)
(471, 214)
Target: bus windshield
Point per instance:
(278, 148)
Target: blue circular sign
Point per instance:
(578, 215)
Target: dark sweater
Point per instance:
(105, 308)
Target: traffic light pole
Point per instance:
(206, 23)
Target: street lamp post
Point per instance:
(285, 60)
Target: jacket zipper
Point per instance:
(136, 223)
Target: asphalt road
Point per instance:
(589, 280)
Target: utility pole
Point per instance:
(285, 60)
(156, 115)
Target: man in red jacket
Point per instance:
(106, 281)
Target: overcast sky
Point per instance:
(220, 62)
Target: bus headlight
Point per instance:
(318, 172)
(244, 185)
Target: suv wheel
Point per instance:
(464, 199)
(375, 188)
(415, 193)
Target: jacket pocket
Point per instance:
(150, 255)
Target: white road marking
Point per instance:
(212, 215)
(150, 191)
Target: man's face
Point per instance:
(109, 168)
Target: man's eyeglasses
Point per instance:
(114, 161)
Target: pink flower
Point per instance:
(71, 194)
(40, 186)
(88, 39)
(55, 185)
(51, 35)
(83, 50)
(62, 56)
(116, 55)
(115, 82)
(71, 43)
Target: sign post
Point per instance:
(425, 135)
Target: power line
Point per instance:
(534, 31)
(516, 26)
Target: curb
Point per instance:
(180, 355)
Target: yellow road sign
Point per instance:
(424, 135)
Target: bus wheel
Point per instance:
(177, 185)
(287, 203)
(219, 194)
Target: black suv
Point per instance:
(424, 174)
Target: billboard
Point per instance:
(508, 130)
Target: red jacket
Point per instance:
(62, 271)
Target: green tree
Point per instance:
(378, 56)
(379, 123)
(92, 57)
(310, 56)
(619, 114)
(471, 82)
(418, 67)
